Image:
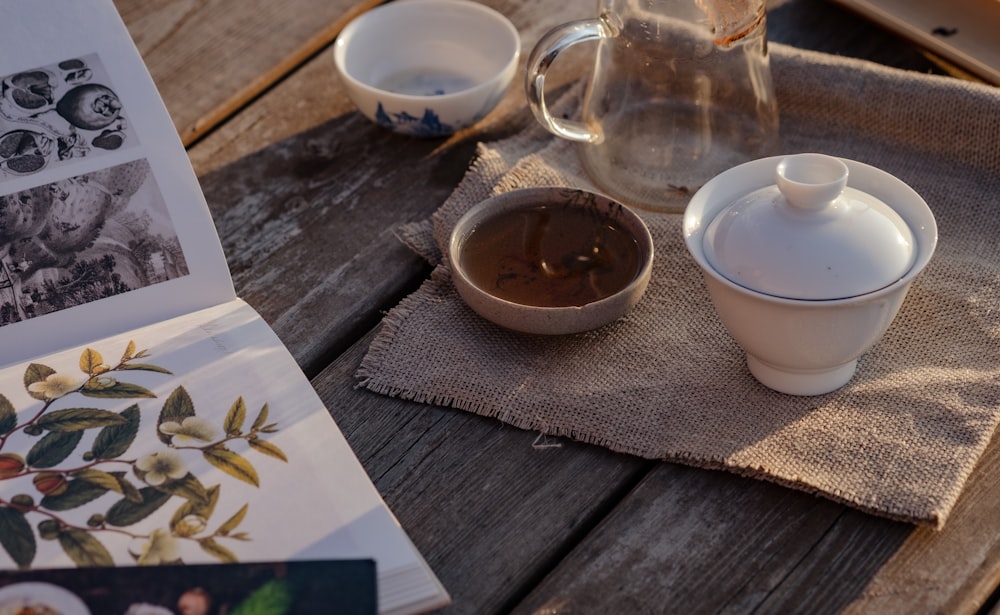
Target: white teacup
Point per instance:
(427, 68)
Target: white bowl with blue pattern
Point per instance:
(427, 68)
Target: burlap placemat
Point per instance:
(667, 382)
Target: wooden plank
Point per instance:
(714, 543)
(209, 58)
(313, 249)
(951, 571)
(489, 510)
(694, 541)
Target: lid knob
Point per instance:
(811, 181)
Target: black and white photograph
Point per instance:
(53, 114)
(84, 238)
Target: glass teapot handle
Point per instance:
(541, 58)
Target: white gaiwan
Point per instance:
(807, 259)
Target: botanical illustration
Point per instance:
(84, 238)
(69, 472)
(52, 114)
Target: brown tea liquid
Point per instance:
(550, 256)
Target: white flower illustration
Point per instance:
(161, 548)
(191, 525)
(54, 386)
(192, 428)
(160, 466)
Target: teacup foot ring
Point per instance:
(801, 382)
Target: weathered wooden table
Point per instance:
(306, 193)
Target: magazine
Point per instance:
(148, 416)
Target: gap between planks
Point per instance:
(192, 133)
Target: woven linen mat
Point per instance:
(667, 382)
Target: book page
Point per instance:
(103, 225)
(196, 440)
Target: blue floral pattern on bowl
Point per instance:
(429, 125)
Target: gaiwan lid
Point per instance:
(810, 236)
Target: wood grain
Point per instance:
(209, 58)
(490, 511)
(708, 543)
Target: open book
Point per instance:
(147, 415)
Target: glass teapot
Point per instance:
(680, 91)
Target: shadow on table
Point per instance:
(307, 224)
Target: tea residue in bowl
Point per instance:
(550, 256)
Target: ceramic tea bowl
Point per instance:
(427, 68)
(550, 261)
(807, 259)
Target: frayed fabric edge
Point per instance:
(392, 323)
(934, 518)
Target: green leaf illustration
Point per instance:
(99, 477)
(233, 522)
(203, 508)
(267, 448)
(187, 487)
(17, 537)
(118, 390)
(233, 464)
(84, 549)
(78, 419)
(90, 361)
(146, 368)
(112, 441)
(36, 372)
(129, 351)
(8, 416)
(178, 407)
(261, 418)
(272, 598)
(235, 417)
(78, 493)
(53, 448)
(125, 512)
(218, 551)
(131, 492)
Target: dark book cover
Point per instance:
(344, 587)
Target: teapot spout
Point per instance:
(733, 20)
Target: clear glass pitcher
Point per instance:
(680, 91)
